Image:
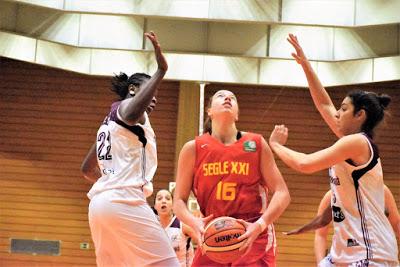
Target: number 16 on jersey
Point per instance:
(226, 191)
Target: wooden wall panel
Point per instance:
(263, 107)
(49, 120)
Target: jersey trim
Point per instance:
(357, 175)
(364, 225)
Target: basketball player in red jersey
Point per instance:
(227, 171)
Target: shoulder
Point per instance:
(328, 194)
(354, 140)
(204, 136)
(113, 114)
(388, 194)
(190, 143)
(189, 147)
(326, 199)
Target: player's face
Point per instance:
(163, 203)
(224, 102)
(347, 122)
(153, 102)
(152, 105)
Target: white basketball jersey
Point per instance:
(180, 242)
(361, 230)
(126, 155)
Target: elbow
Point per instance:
(305, 167)
(325, 220)
(286, 199)
(85, 170)
(88, 174)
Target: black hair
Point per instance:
(374, 106)
(120, 83)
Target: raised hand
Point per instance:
(161, 61)
(299, 56)
(279, 135)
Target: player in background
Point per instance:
(180, 235)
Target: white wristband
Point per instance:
(262, 224)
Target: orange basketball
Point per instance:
(221, 239)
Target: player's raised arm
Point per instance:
(131, 109)
(319, 95)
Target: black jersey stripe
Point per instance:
(357, 175)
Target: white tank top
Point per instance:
(180, 242)
(362, 232)
(127, 157)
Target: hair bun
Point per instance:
(121, 77)
(384, 100)
(120, 80)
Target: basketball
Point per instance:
(221, 239)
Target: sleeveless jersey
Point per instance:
(227, 178)
(227, 182)
(361, 230)
(180, 242)
(126, 155)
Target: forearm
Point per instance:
(321, 98)
(279, 202)
(133, 108)
(290, 157)
(89, 167)
(318, 93)
(149, 89)
(316, 223)
(320, 248)
(92, 175)
(182, 212)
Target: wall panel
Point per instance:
(49, 121)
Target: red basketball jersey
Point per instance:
(227, 178)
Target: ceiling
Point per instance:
(233, 41)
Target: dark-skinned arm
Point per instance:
(89, 167)
(131, 110)
(318, 222)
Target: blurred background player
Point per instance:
(178, 233)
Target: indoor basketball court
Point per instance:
(57, 59)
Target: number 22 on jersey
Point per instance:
(104, 146)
